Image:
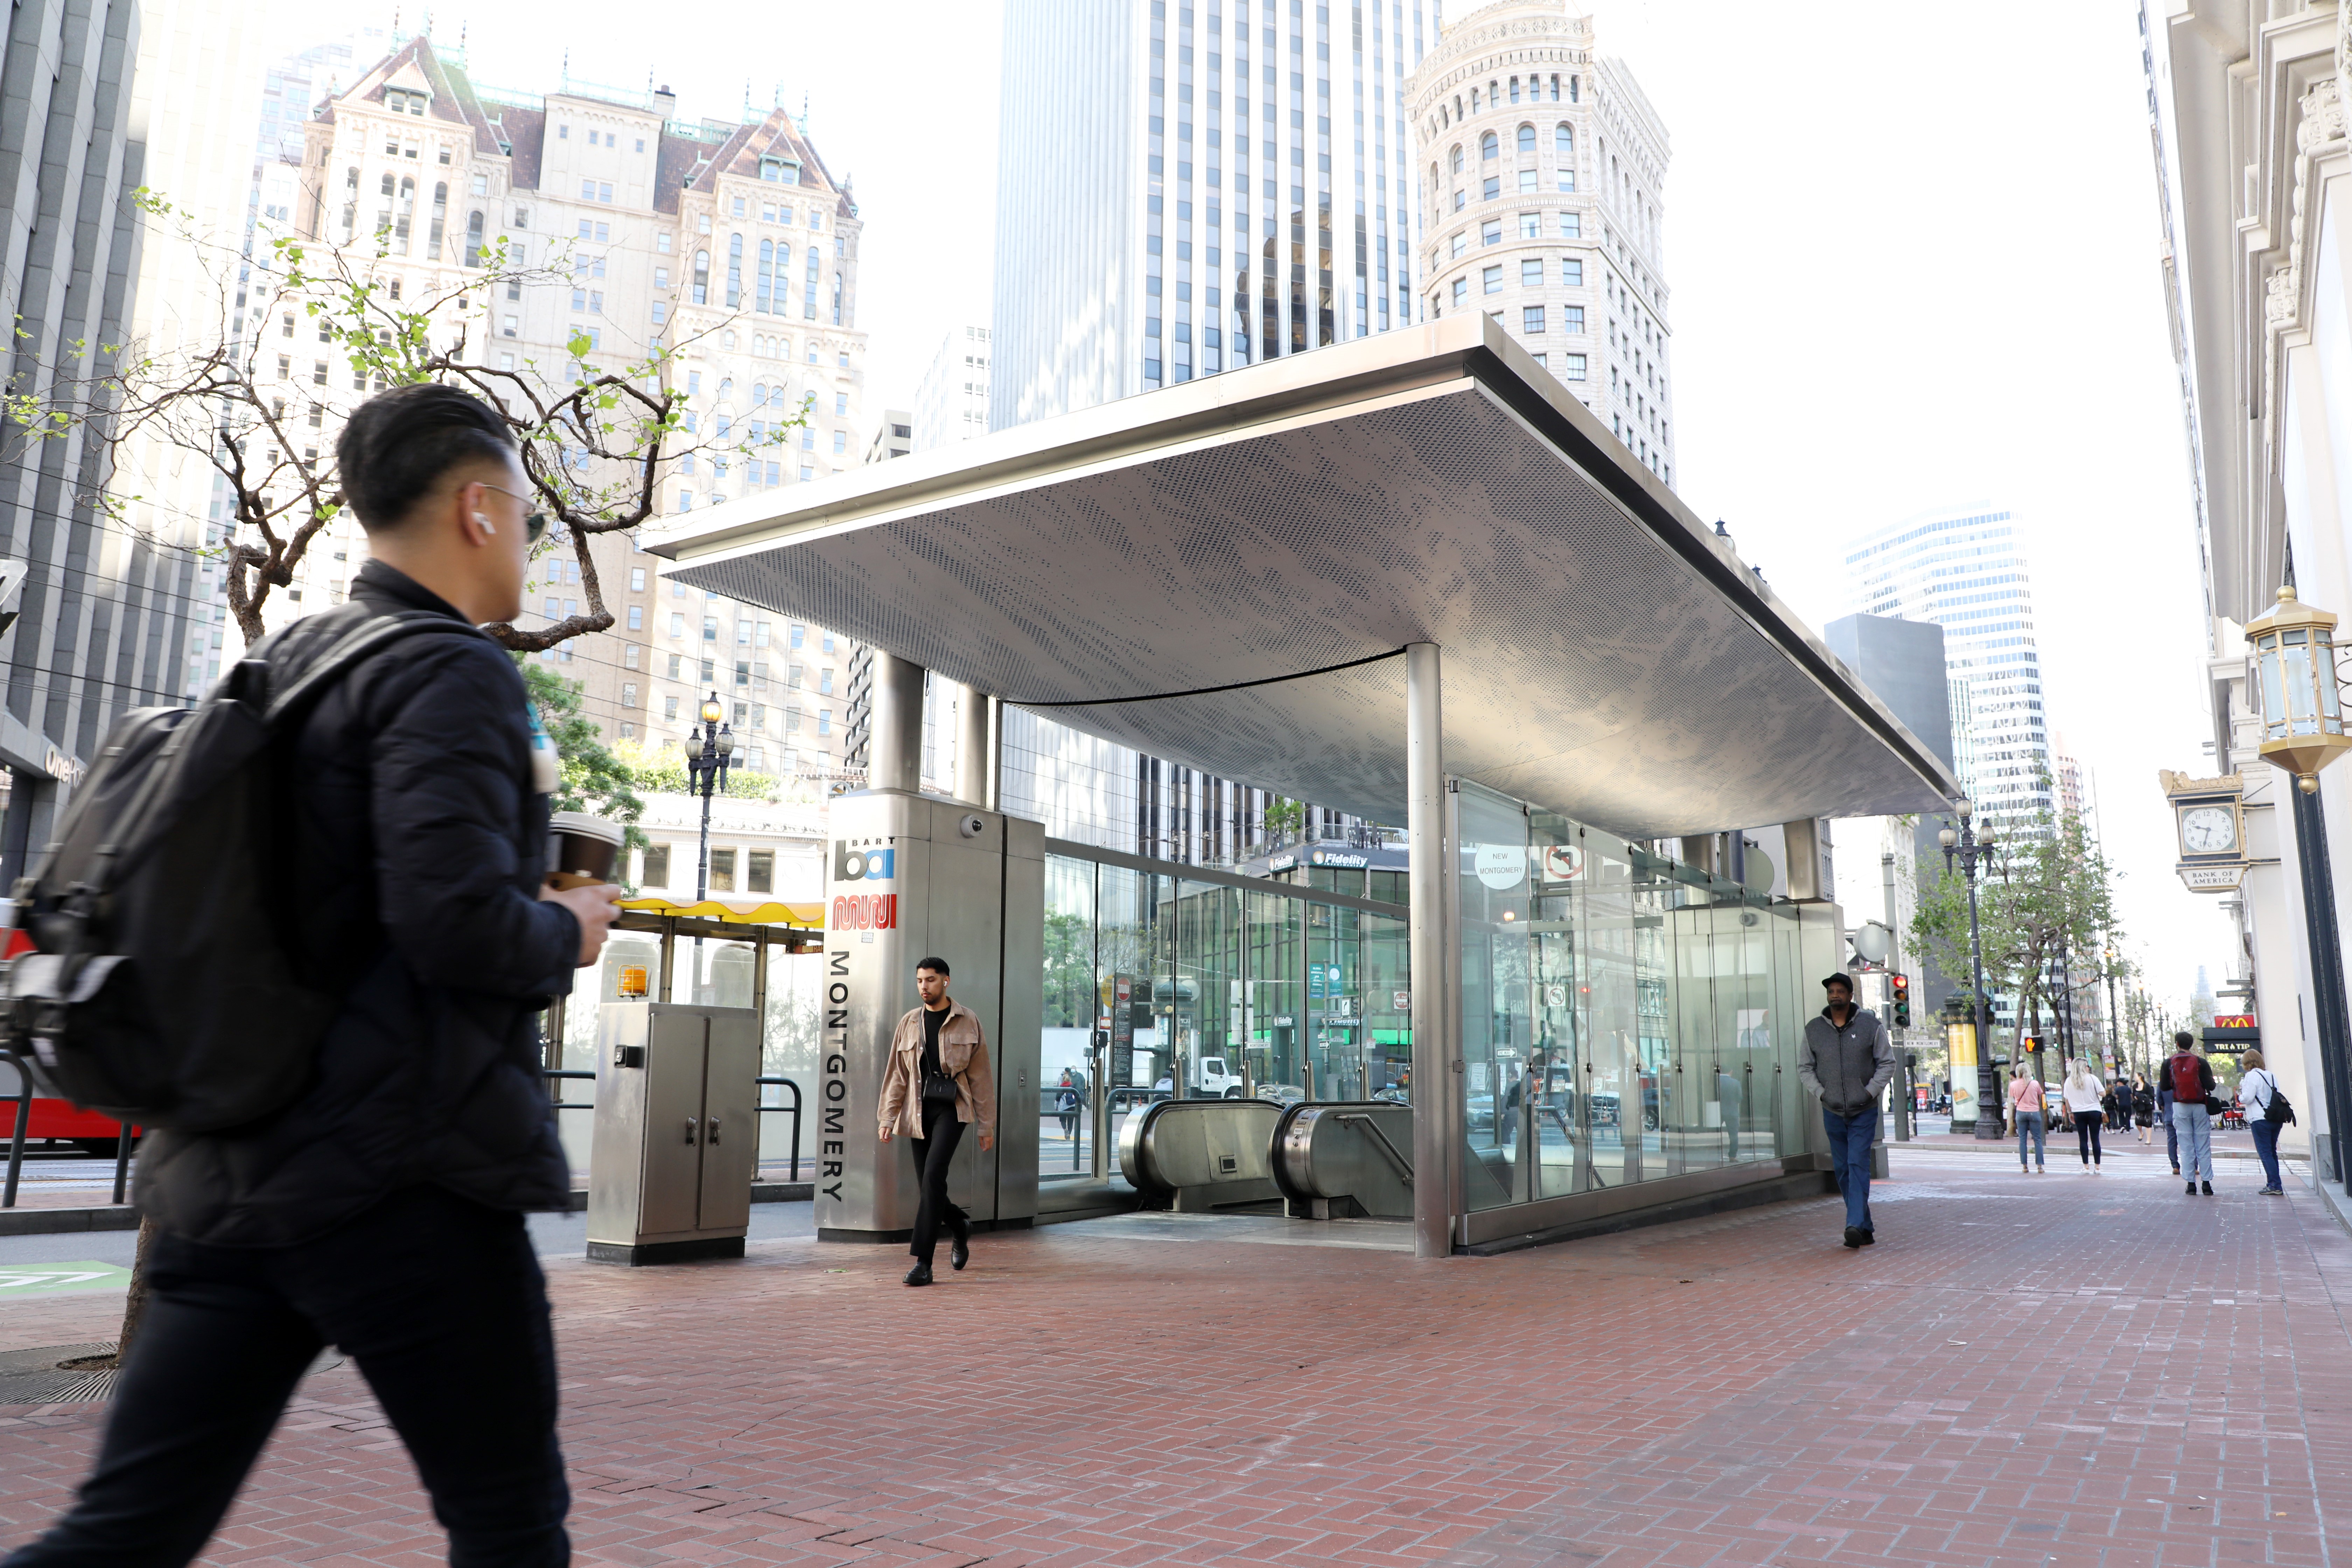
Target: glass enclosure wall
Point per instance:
(1275, 990)
(1626, 1017)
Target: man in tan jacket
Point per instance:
(937, 1082)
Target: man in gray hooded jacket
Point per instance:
(1848, 1061)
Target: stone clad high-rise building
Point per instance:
(1542, 168)
(728, 242)
(1186, 186)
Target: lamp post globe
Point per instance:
(1969, 851)
(708, 751)
(2292, 651)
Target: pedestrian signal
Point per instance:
(1901, 983)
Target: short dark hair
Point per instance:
(398, 444)
(2183, 1038)
(938, 966)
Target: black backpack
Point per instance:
(162, 988)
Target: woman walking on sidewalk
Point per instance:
(2256, 1088)
(2028, 1107)
(2083, 1090)
(2143, 1099)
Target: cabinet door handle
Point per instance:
(690, 1129)
(711, 1133)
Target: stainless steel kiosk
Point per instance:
(677, 1132)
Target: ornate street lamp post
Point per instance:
(2303, 732)
(1969, 850)
(708, 751)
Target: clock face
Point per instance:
(2209, 829)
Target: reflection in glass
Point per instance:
(1624, 1019)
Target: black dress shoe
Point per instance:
(960, 1252)
(1854, 1235)
(2209, 1189)
(921, 1274)
(2192, 1189)
(1870, 1239)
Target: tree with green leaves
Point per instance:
(2050, 889)
(590, 778)
(595, 438)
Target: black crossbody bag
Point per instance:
(938, 1085)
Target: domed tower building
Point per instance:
(1540, 168)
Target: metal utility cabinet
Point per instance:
(678, 1132)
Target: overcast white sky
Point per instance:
(1913, 256)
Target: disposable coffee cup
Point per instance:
(582, 850)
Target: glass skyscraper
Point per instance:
(1186, 188)
(1960, 568)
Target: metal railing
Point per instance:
(561, 1104)
(23, 1120)
(794, 1107)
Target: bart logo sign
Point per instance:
(861, 864)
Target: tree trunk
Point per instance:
(135, 1302)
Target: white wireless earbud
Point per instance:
(484, 518)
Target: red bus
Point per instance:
(60, 1120)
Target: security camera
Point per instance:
(971, 825)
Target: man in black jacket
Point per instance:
(382, 1212)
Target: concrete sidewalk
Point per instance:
(2057, 1369)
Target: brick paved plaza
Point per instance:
(2006, 1379)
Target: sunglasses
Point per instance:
(534, 526)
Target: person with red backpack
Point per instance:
(2191, 1080)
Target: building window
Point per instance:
(1489, 146)
(669, 707)
(825, 721)
(1571, 367)
(735, 268)
(1527, 182)
(473, 239)
(1531, 225)
(1461, 200)
(1492, 188)
(722, 870)
(1461, 292)
(1458, 158)
(636, 617)
(759, 870)
(628, 694)
(1491, 232)
(1526, 133)
(702, 277)
(1491, 281)
(1531, 320)
(1531, 273)
(1564, 140)
(1572, 271)
(656, 868)
(1571, 318)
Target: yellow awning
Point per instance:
(761, 913)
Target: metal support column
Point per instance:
(1437, 1082)
(2326, 972)
(897, 745)
(974, 786)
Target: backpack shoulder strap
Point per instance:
(371, 638)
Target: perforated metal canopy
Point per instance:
(1602, 658)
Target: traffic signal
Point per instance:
(1901, 987)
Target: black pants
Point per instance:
(933, 1151)
(2086, 1135)
(441, 1303)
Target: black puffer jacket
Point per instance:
(417, 845)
